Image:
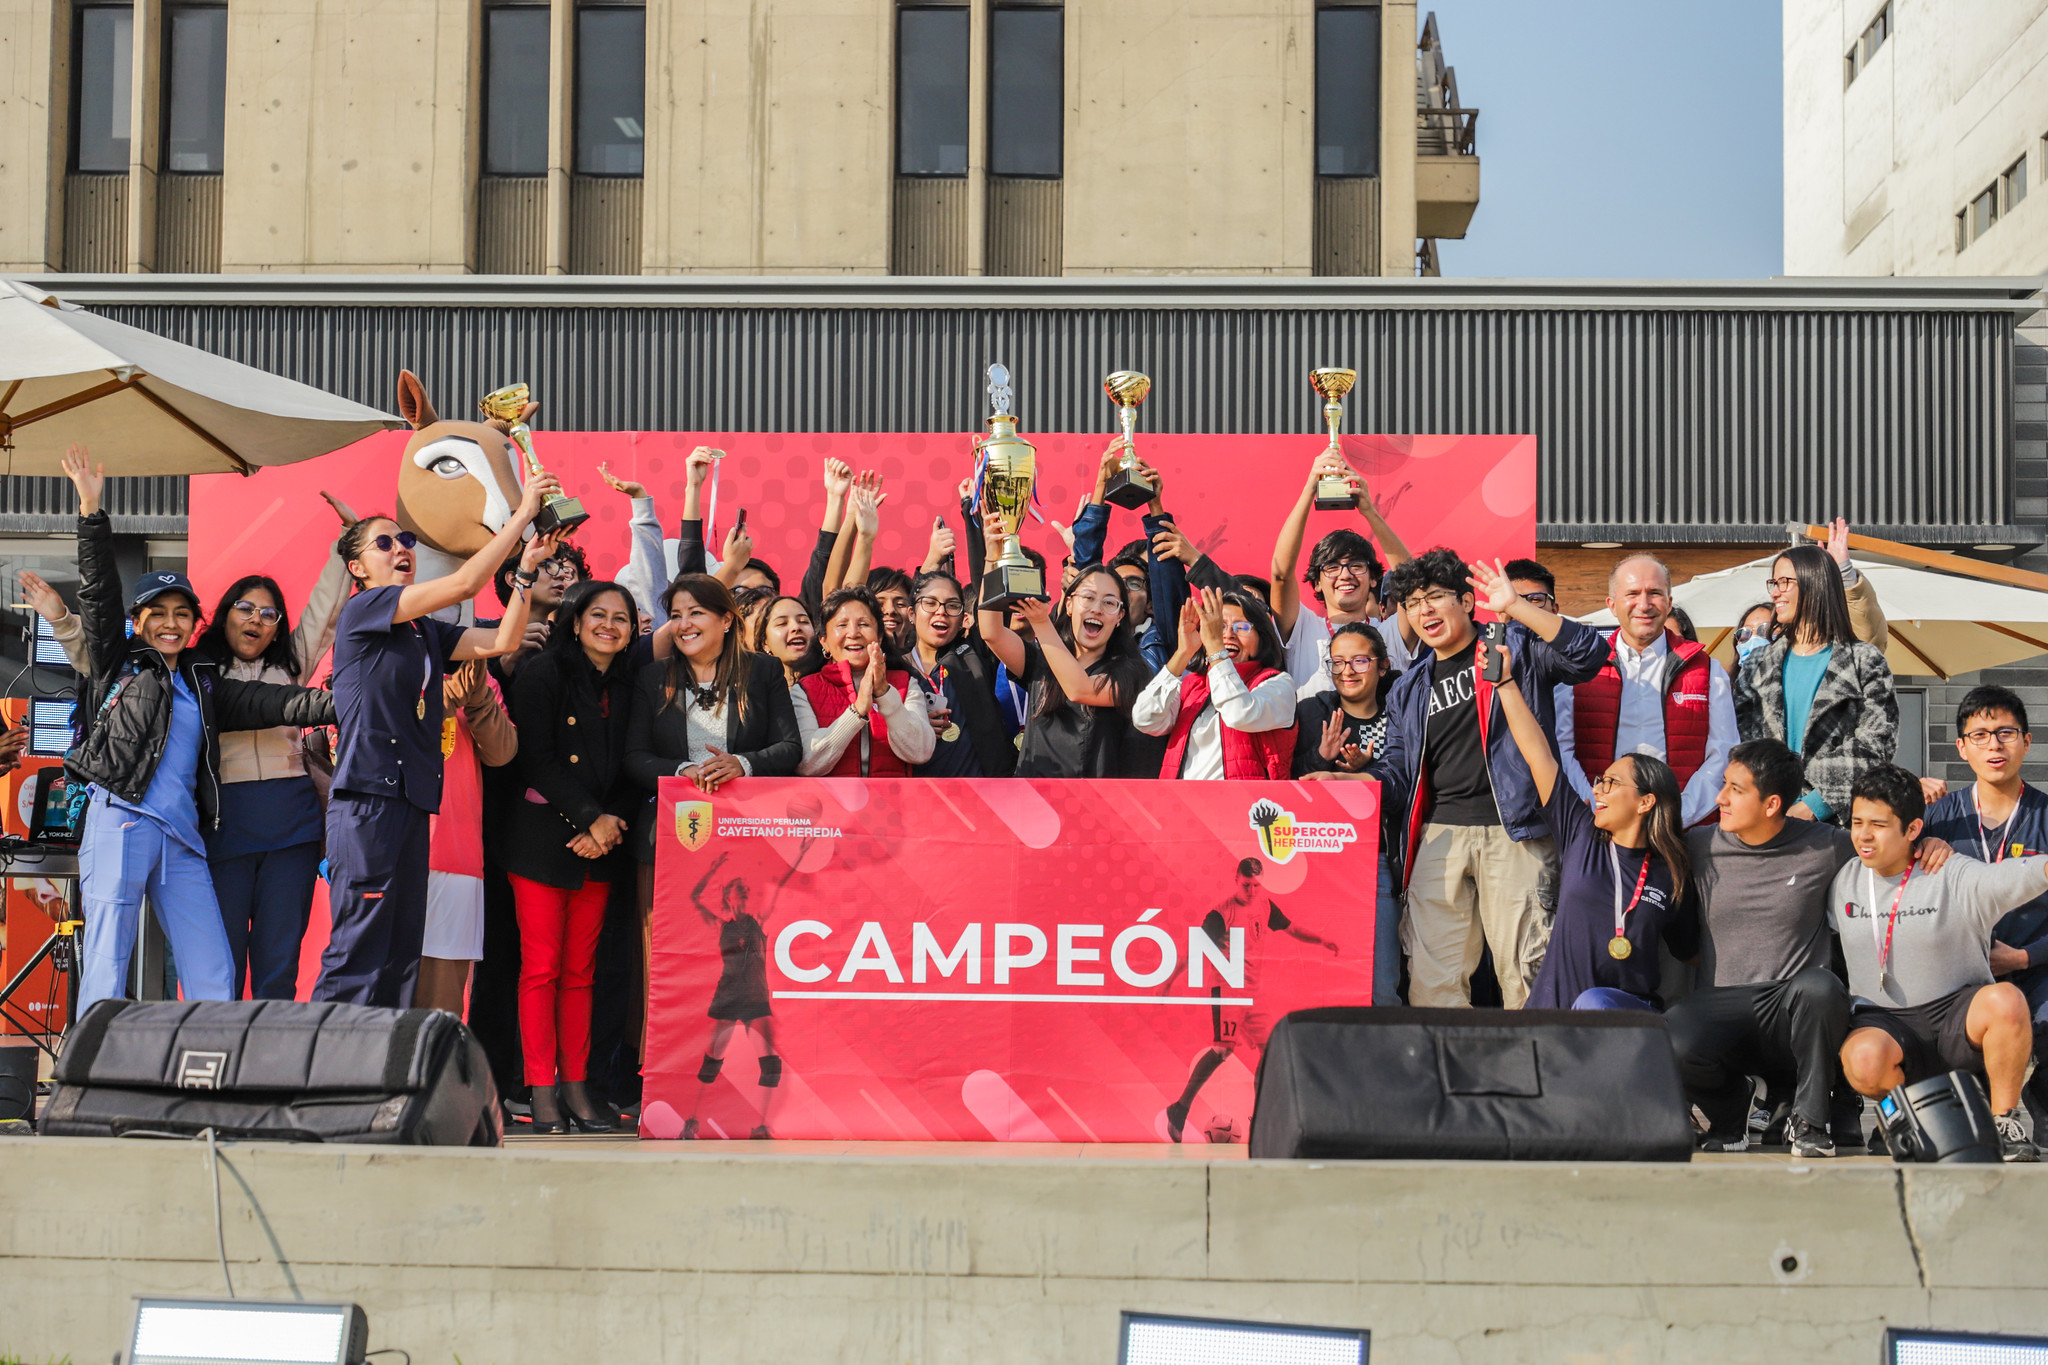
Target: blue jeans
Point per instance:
(1386, 940)
(124, 856)
(1608, 998)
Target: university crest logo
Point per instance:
(693, 824)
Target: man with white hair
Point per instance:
(1658, 694)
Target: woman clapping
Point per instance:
(856, 709)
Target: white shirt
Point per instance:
(1641, 726)
(910, 730)
(1308, 650)
(1269, 706)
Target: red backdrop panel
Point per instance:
(840, 873)
(1477, 493)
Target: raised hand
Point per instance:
(1190, 631)
(697, 465)
(1330, 744)
(41, 596)
(538, 490)
(1491, 586)
(341, 509)
(539, 551)
(1172, 544)
(1208, 604)
(838, 478)
(1158, 482)
(739, 546)
(88, 478)
(868, 498)
(941, 545)
(1838, 541)
(619, 485)
(1037, 613)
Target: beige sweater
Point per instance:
(257, 755)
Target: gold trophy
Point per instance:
(558, 513)
(1127, 487)
(1009, 467)
(1333, 494)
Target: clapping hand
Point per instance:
(874, 680)
(1208, 604)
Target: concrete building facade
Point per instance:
(1914, 131)
(1092, 137)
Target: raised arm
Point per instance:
(314, 635)
(424, 599)
(646, 572)
(481, 642)
(1527, 730)
(868, 498)
(1006, 644)
(1082, 687)
(1286, 594)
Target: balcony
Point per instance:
(1446, 145)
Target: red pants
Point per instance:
(557, 962)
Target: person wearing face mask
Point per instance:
(958, 678)
(1080, 671)
(1758, 626)
(1234, 716)
(1657, 694)
(573, 704)
(857, 715)
(153, 710)
(265, 855)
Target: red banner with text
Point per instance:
(973, 960)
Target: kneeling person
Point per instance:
(1918, 947)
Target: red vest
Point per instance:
(830, 692)
(1247, 756)
(1596, 711)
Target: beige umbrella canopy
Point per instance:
(145, 404)
(1947, 614)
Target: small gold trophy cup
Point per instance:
(1127, 487)
(1009, 467)
(558, 513)
(1333, 494)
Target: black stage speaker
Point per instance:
(18, 1081)
(1480, 1085)
(279, 1070)
(1943, 1118)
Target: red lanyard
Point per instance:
(1984, 839)
(1642, 879)
(1883, 936)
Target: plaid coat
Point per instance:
(1852, 728)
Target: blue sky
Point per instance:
(1620, 139)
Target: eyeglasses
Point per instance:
(2004, 735)
(386, 541)
(1428, 599)
(1606, 783)
(1088, 601)
(1364, 663)
(1240, 628)
(1348, 568)
(1777, 586)
(1541, 599)
(942, 606)
(558, 567)
(267, 615)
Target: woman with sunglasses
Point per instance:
(1233, 715)
(958, 678)
(390, 653)
(265, 855)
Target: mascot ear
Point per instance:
(413, 404)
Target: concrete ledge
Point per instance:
(715, 1254)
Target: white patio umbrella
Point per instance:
(1941, 623)
(145, 404)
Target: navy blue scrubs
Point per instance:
(387, 781)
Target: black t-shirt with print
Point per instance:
(1456, 758)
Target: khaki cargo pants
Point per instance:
(1473, 887)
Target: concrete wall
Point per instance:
(34, 81)
(1875, 172)
(616, 1253)
(350, 144)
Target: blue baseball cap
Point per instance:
(155, 584)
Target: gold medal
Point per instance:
(1618, 948)
(950, 733)
(421, 709)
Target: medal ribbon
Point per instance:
(1983, 838)
(1642, 880)
(1882, 936)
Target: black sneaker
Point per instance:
(1807, 1140)
(2013, 1142)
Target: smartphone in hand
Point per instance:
(1494, 665)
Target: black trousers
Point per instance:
(494, 989)
(1723, 1035)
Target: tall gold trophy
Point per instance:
(1333, 494)
(558, 513)
(1009, 467)
(1127, 487)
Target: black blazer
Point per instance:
(572, 745)
(656, 744)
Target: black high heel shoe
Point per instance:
(601, 1119)
(543, 1125)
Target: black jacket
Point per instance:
(980, 715)
(656, 744)
(572, 746)
(125, 711)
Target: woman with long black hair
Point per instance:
(1081, 671)
(782, 631)
(1816, 688)
(265, 854)
(958, 677)
(1625, 881)
(573, 704)
(856, 709)
(1233, 715)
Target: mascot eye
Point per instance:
(448, 467)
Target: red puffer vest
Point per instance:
(1596, 710)
(830, 691)
(1247, 757)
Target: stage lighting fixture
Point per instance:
(1907, 1346)
(243, 1332)
(1160, 1339)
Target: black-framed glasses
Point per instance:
(1542, 599)
(559, 567)
(1364, 663)
(1776, 586)
(387, 541)
(1428, 599)
(1348, 568)
(1607, 782)
(267, 615)
(942, 606)
(2003, 735)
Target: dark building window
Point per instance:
(516, 90)
(1348, 91)
(1026, 92)
(100, 90)
(611, 90)
(931, 91)
(195, 89)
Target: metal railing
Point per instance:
(1443, 125)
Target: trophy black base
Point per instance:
(1005, 586)
(559, 514)
(1128, 490)
(1334, 495)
